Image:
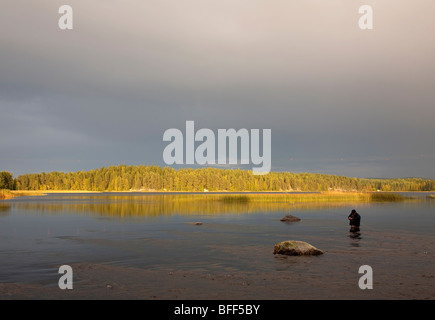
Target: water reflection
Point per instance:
(158, 205)
(41, 232)
(5, 209)
(355, 235)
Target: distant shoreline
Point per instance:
(157, 179)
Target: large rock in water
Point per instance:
(290, 218)
(296, 248)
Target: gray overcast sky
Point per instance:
(339, 100)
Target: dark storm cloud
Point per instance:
(106, 91)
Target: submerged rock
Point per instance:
(296, 248)
(196, 223)
(290, 218)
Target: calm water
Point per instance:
(158, 231)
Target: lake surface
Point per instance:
(159, 232)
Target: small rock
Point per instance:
(109, 286)
(195, 223)
(290, 218)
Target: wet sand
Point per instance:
(107, 282)
(405, 273)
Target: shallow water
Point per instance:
(158, 232)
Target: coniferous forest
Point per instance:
(155, 178)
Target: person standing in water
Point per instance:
(354, 221)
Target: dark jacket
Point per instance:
(354, 219)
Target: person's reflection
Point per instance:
(355, 235)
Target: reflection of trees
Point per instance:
(5, 208)
(157, 205)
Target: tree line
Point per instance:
(6, 180)
(155, 178)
